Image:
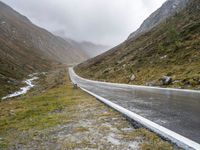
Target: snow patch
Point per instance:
(3, 22)
(163, 57)
(33, 74)
(174, 6)
(134, 145)
(112, 140)
(127, 129)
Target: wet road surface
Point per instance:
(178, 111)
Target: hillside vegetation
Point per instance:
(170, 49)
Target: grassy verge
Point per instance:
(54, 115)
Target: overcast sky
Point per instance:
(107, 22)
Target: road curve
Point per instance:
(177, 110)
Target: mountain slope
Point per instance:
(170, 49)
(169, 8)
(26, 48)
(16, 26)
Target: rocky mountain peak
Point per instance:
(169, 8)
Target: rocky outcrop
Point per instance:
(169, 8)
(166, 80)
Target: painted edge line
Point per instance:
(178, 139)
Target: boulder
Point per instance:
(124, 65)
(106, 70)
(132, 77)
(75, 86)
(166, 80)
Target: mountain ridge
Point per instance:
(169, 8)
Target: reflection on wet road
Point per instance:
(178, 111)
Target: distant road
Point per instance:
(177, 110)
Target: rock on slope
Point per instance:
(26, 48)
(169, 8)
(171, 49)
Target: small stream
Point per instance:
(23, 90)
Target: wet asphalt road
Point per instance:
(176, 110)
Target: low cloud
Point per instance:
(106, 22)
